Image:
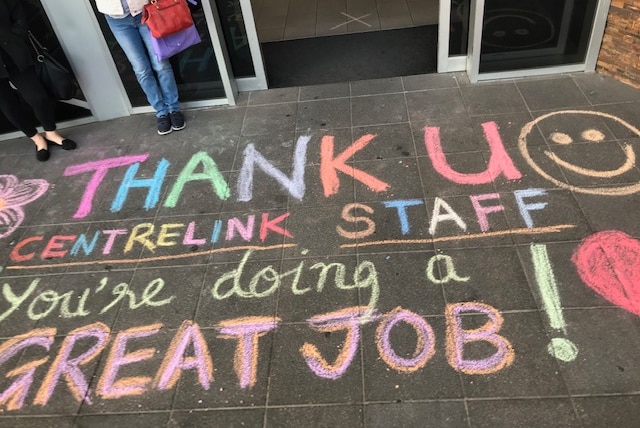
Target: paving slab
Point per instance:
(416, 251)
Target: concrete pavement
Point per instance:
(411, 252)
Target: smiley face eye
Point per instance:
(561, 138)
(522, 32)
(593, 135)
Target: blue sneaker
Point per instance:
(164, 124)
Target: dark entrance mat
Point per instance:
(372, 55)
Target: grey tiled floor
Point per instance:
(295, 19)
(217, 274)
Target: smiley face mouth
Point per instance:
(627, 166)
(613, 189)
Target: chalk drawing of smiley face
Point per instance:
(516, 29)
(590, 136)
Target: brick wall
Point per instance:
(620, 52)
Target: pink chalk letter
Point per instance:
(499, 162)
(13, 397)
(482, 211)
(458, 337)
(69, 368)
(246, 331)
(175, 361)
(111, 387)
(348, 319)
(100, 169)
(425, 345)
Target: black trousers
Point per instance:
(32, 91)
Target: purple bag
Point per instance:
(168, 46)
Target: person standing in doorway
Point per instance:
(17, 71)
(154, 76)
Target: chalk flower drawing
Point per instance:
(13, 195)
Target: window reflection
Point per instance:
(235, 36)
(459, 27)
(535, 33)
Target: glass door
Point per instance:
(201, 71)
(514, 38)
(241, 39)
(459, 27)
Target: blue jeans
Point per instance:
(135, 40)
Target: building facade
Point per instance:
(258, 44)
(620, 53)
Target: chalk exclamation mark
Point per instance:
(560, 347)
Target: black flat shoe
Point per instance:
(42, 155)
(66, 144)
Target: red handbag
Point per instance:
(166, 17)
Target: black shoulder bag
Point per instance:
(57, 80)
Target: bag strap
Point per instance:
(36, 45)
(42, 52)
(154, 2)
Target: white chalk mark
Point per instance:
(353, 19)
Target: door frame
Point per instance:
(221, 53)
(475, 45)
(446, 62)
(258, 82)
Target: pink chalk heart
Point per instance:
(609, 263)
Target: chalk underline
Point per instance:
(521, 231)
(158, 258)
